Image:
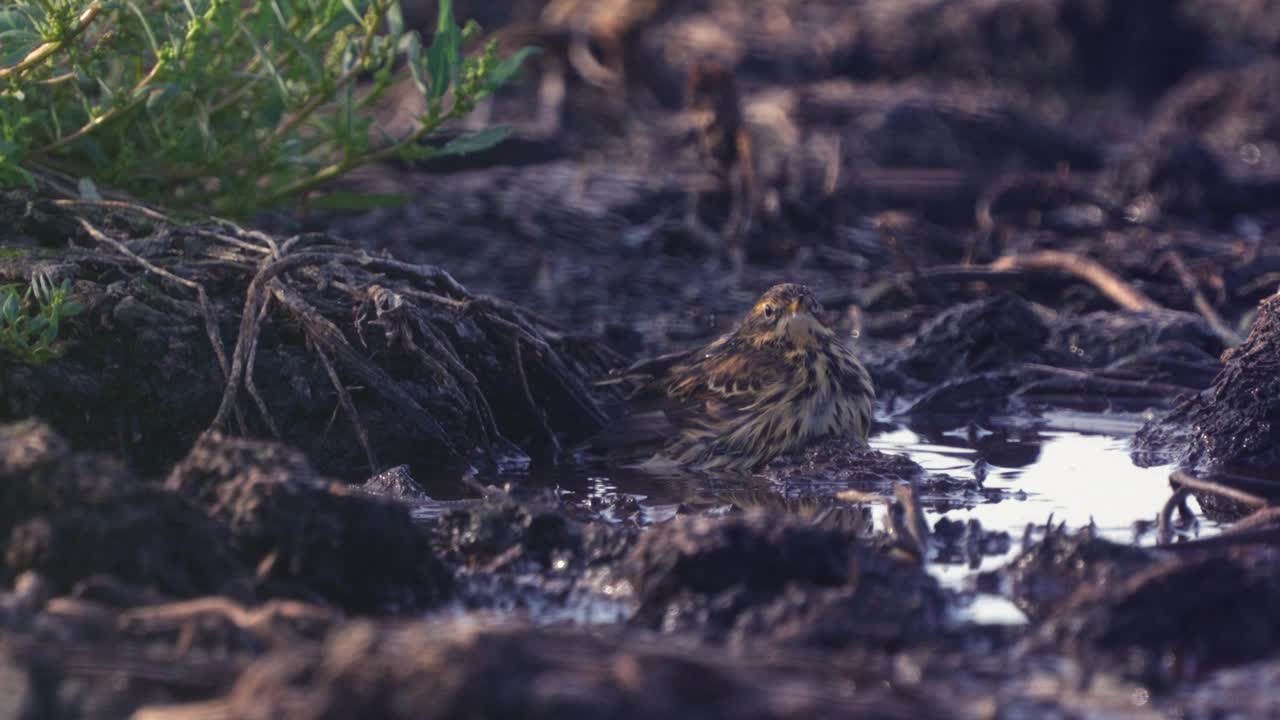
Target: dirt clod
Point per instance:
(307, 536)
(69, 515)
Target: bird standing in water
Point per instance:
(780, 380)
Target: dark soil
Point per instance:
(1233, 425)
(321, 468)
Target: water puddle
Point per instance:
(1072, 467)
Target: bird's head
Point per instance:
(786, 313)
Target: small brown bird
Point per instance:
(777, 382)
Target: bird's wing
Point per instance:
(643, 371)
(710, 387)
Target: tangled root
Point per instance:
(419, 368)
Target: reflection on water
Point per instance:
(1073, 467)
(1060, 470)
(1076, 477)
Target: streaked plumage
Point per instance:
(777, 382)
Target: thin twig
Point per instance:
(206, 308)
(325, 334)
(1108, 283)
(1259, 536)
(1180, 477)
(249, 383)
(1164, 522)
(349, 407)
(137, 97)
(204, 710)
(534, 408)
(116, 205)
(35, 57)
(249, 324)
(1091, 380)
(1228, 336)
(256, 621)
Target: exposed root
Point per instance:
(1262, 526)
(1182, 479)
(261, 622)
(206, 309)
(436, 360)
(249, 383)
(1164, 524)
(348, 407)
(1095, 382)
(1108, 283)
(528, 396)
(1229, 337)
(325, 335)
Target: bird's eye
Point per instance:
(767, 311)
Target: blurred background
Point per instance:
(671, 158)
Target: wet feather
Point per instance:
(776, 383)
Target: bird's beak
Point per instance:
(794, 307)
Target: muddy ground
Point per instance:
(214, 502)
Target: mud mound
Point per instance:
(72, 515)
(309, 537)
(836, 462)
(768, 574)
(535, 553)
(367, 670)
(974, 337)
(1049, 572)
(1235, 424)
(1177, 619)
(355, 358)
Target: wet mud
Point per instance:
(321, 464)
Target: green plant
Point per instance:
(30, 320)
(226, 106)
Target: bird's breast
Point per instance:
(831, 399)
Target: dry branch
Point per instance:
(1108, 283)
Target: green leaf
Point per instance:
(413, 152)
(444, 55)
(341, 200)
(9, 309)
(355, 13)
(72, 309)
(17, 44)
(475, 142)
(507, 69)
(395, 24)
(146, 26)
(15, 175)
(414, 54)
